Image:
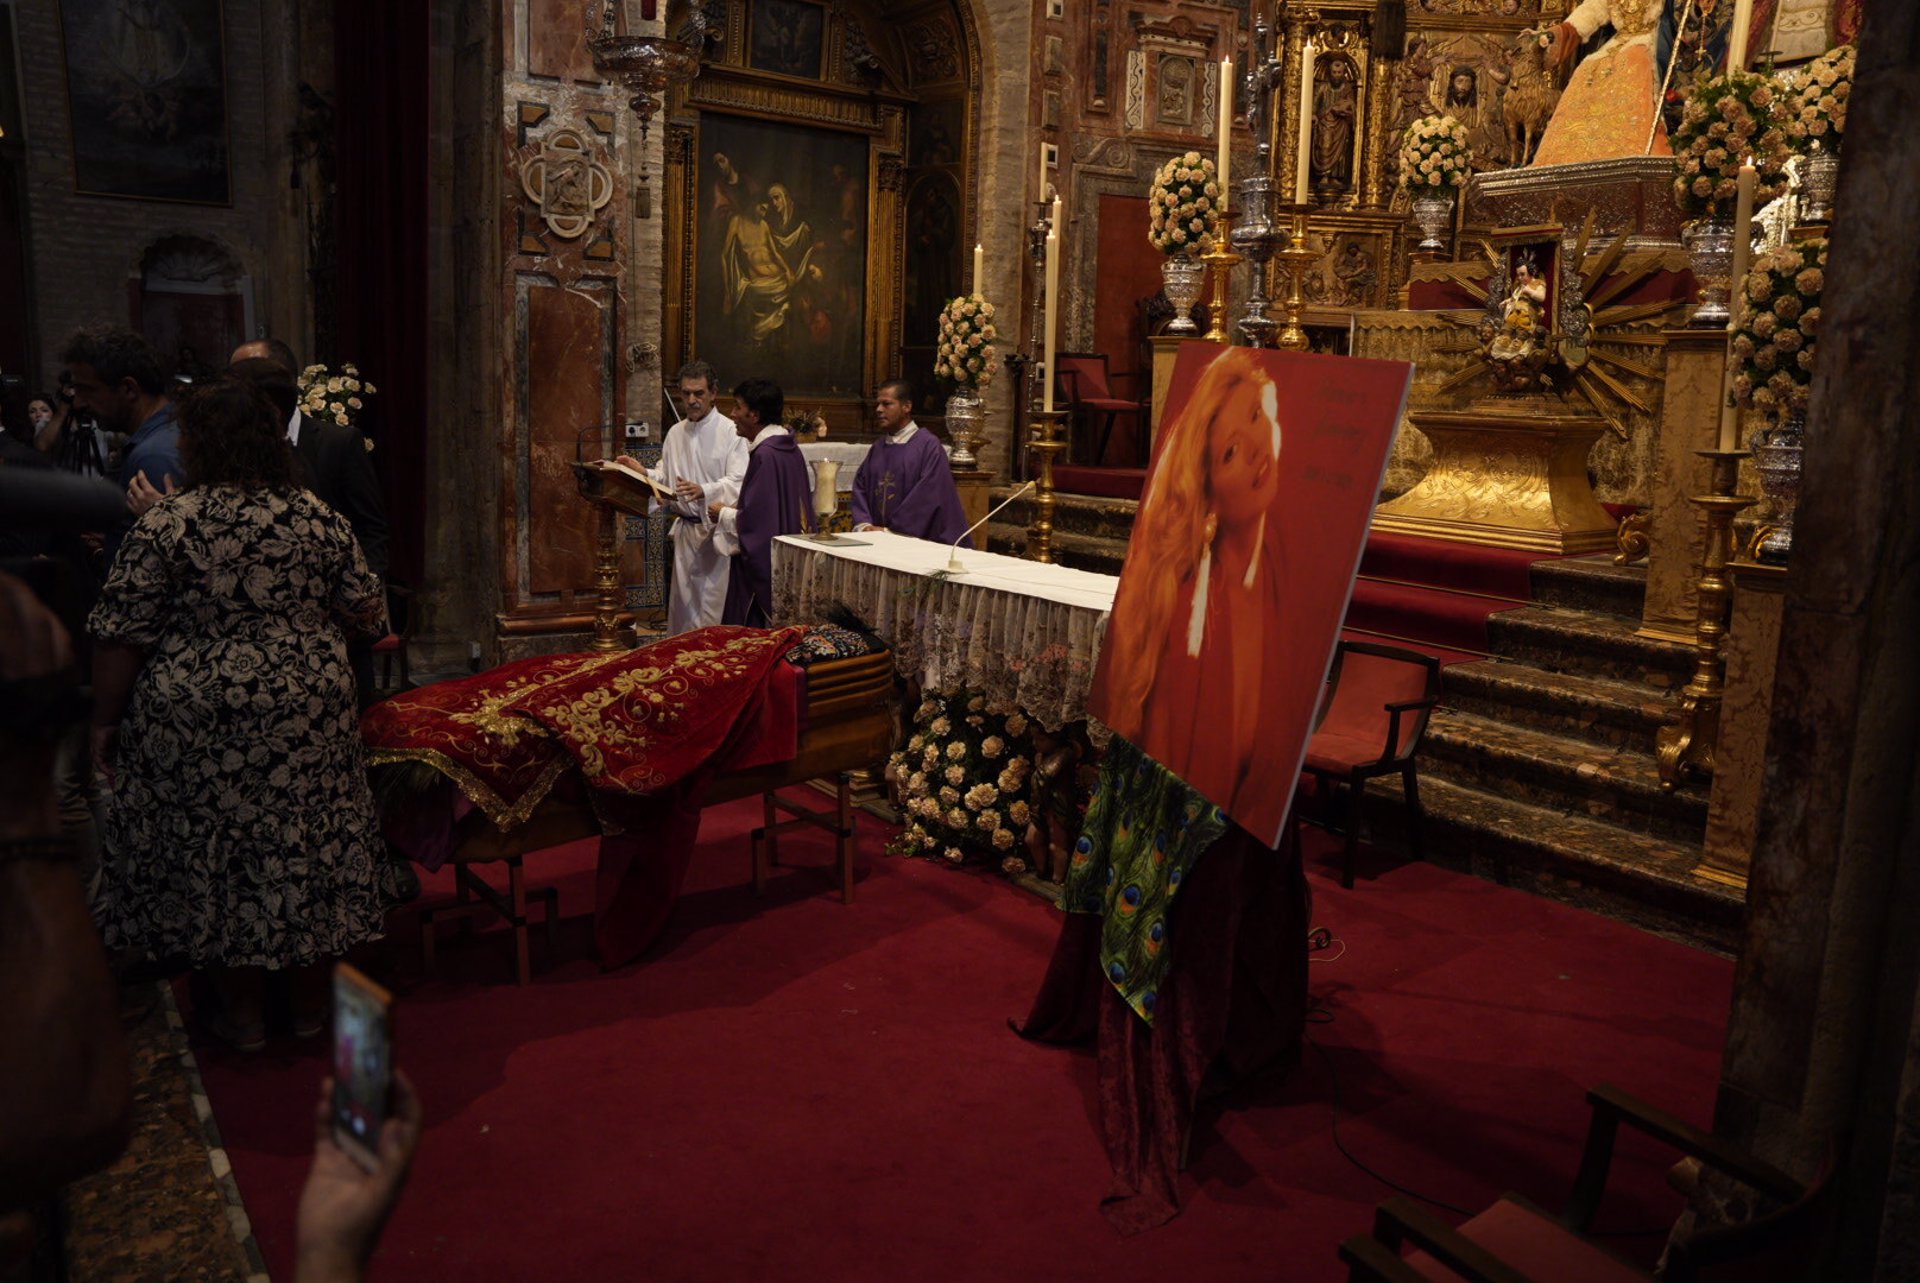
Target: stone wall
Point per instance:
(86, 248)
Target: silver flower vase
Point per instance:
(1709, 246)
(1776, 457)
(1819, 176)
(1181, 274)
(966, 419)
(1431, 214)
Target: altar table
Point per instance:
(1024, 633)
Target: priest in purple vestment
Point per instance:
(775, 500)
(905, 483)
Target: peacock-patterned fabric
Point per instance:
(1142, 835)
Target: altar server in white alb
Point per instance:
(703, 462)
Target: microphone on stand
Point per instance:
(954, 567)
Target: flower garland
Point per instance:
(1818, 107)
(965, 350)
(1780, 326)
(338, 398)
(1185, 200)
(1728, 120)
(1435, 154)
(963, 781)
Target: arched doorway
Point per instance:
(193, 300)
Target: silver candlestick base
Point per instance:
(1256, 238)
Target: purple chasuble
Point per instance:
(775, 500)
(909, 490)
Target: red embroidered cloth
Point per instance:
(645, 729)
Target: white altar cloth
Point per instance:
(1024, 633)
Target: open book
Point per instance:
(659, 491)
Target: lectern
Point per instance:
(614, 489)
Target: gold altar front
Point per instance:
(1508, 475)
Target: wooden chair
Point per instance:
(1087, 386)
(1371, 724)
(1515, 1242)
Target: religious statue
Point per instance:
(1479, 112)
(1610, 108)
(1523, 315)
(1335, 104)
(1355, 272)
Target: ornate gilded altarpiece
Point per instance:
(792, 198)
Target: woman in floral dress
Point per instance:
(240, 831)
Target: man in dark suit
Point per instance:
(331, 459)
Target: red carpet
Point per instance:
(794, 1089)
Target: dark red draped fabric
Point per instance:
(1234, 1006)
(382, 132)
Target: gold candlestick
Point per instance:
(1295, 259)
(1220, 261)
(1045, 445)
(606, 578)
(1687, 745)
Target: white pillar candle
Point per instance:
(976, 267)
(1226, 127)
(1742, 252)
(1304, 140)
(1052, 306)
(1737, 41)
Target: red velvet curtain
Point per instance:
(382, 136)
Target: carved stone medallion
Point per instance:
(567, 183)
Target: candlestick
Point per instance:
(1053, 304)
(976, 267)
(1742, 251)
(1737, 42)
(1226, 124)
(1220, 261)
(1303, 141)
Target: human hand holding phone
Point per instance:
(345, 1204)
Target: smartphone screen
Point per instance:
(362, 1062)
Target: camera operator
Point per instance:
(71, 435)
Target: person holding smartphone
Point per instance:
(346, 1201)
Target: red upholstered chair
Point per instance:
(1515, 1242)
(1087, 387)
(1375, 711)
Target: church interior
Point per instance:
(1217, 638)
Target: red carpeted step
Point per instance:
(1107, 483)
(1442, 563)
(1446, 655)
(1454, 620)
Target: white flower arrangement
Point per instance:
(1435, 156)
(334, 398)
(1817, 107)
(965, 351)
(1727, 121)
(956, 796)
(1185, 204)
(1780, 328)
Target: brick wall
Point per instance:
(86, 248)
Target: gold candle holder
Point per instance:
(1295, 259)
(1220, 261)
(1687, 745)
(1046, 443)
(606, 578)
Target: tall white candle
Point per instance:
(977, 273)
(1052, 306)
(1737, 41)
(1303, 143)
(1742, 252)
(1226, 126)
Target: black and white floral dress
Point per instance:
(240, 828)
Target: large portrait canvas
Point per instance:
(146, 92)
(1241, 561)
(781, 254)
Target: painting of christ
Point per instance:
(781, 253)
(1242, 557)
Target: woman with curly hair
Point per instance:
(1197, 611)
(240, 833)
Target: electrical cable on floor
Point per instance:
(1318, 940)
